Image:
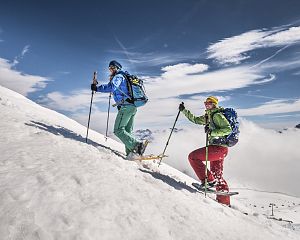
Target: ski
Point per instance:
(199, 188)
(149, 157)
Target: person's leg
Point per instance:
(195, 158)
(197, 161)
(216, 168)
(129, 129)
(124, 116)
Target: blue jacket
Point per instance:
(118, 87)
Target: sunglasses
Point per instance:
(208, 103)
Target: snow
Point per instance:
(55, 186)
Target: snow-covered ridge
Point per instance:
(55, 186)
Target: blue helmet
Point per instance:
(115, 64)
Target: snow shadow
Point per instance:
(67, 133)
(170, 181)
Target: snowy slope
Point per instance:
(55, 186)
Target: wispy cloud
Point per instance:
(286, 116)
(153, 58)
(18, 81)
(296, 73)
(269, 58)
(250, 94)
(18, 58)
(236, 49)
(293, 63)
(272, 107)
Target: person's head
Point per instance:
(211, 102)
(114, 66)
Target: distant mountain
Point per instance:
(285, 129)
(144, 134)
(147, 134)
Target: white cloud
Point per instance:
(235, 49)
(18, 81)
(75, 101)
(78, 102)
(182, 69)
(272, 107)
(185, 78)
(20, 56)
(25, 50)
(255, 161)
(98, 120)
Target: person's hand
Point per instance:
(207, 129)
(94, 87)
(181, 107)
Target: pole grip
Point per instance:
(95, 78)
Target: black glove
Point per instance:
(181, 107)
(207, 129)
(94, 87)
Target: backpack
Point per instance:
(230, 140)
(136, 89)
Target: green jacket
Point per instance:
(219, 124)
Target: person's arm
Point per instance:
(105, 87)
(193, 118)
(113, 84)
(222, 125)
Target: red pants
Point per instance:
(216, 155)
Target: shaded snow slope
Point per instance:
(55, 186)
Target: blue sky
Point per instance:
(245, 52)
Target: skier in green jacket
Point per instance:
(216, 125)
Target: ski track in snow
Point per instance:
(55, 186)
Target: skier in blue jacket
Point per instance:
(126, 109)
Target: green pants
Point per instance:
(124, 126)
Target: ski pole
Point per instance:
(206, 156)
(107, 121)
(169, 137)
(88, 126)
